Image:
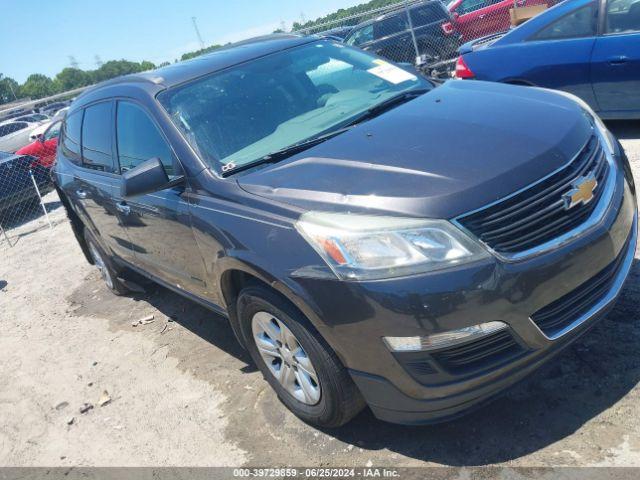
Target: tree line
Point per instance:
(38, 85)
(344, 13)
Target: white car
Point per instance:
(32, 118)
(60, 114)
(15, 135)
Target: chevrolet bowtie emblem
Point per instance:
(582, 191)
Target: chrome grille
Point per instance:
(539, 213)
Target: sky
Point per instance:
(38, 36)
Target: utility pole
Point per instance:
(98, 61)
(14, 97)
(195, 27)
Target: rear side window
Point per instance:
(623, 16)
(11, 128)
(428, 14)
(70, 144)
(577, 24)
(468, 6)
(96, 137)
(390, 26)
(139, 139)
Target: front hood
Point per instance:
(457, 148)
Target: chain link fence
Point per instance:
(424, 33)
(428, 33)
(28, 142)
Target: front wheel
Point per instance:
(299, 365)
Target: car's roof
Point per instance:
(225, 57)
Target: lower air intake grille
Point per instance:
(483, 353)
(558, 315)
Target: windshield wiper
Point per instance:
(368, 114)
(287, 151)
(388, 104)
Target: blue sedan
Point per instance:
(585, 47)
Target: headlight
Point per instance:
(362, 247)
(599, 124)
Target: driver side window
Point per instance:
(138, 139)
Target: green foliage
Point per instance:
(197, 53)
(37, 86)
(70, 78)
(146, 65)
(344, 13)
(9, 89)
(115, 68)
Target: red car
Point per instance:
(479, 18)
(44, 148)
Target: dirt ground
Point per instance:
(182, 392)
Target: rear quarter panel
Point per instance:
(562, 64)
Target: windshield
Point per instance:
(238, 116)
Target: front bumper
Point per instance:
(354, 317)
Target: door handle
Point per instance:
(618, 60)
(123, 208)
(81, 194)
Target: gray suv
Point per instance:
(373, 239)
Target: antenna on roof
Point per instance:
(195, 27)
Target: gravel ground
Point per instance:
(182, 392)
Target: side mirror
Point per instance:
(40, 137)
(455, 15)
(147, 177)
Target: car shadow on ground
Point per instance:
(584, 381)
(211, 327)
(625, 129)
(588, 378)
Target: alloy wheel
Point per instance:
(285, 358)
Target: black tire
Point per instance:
(105, 265)
(340, 399)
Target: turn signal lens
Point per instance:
(462, 69)
(444, 339)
